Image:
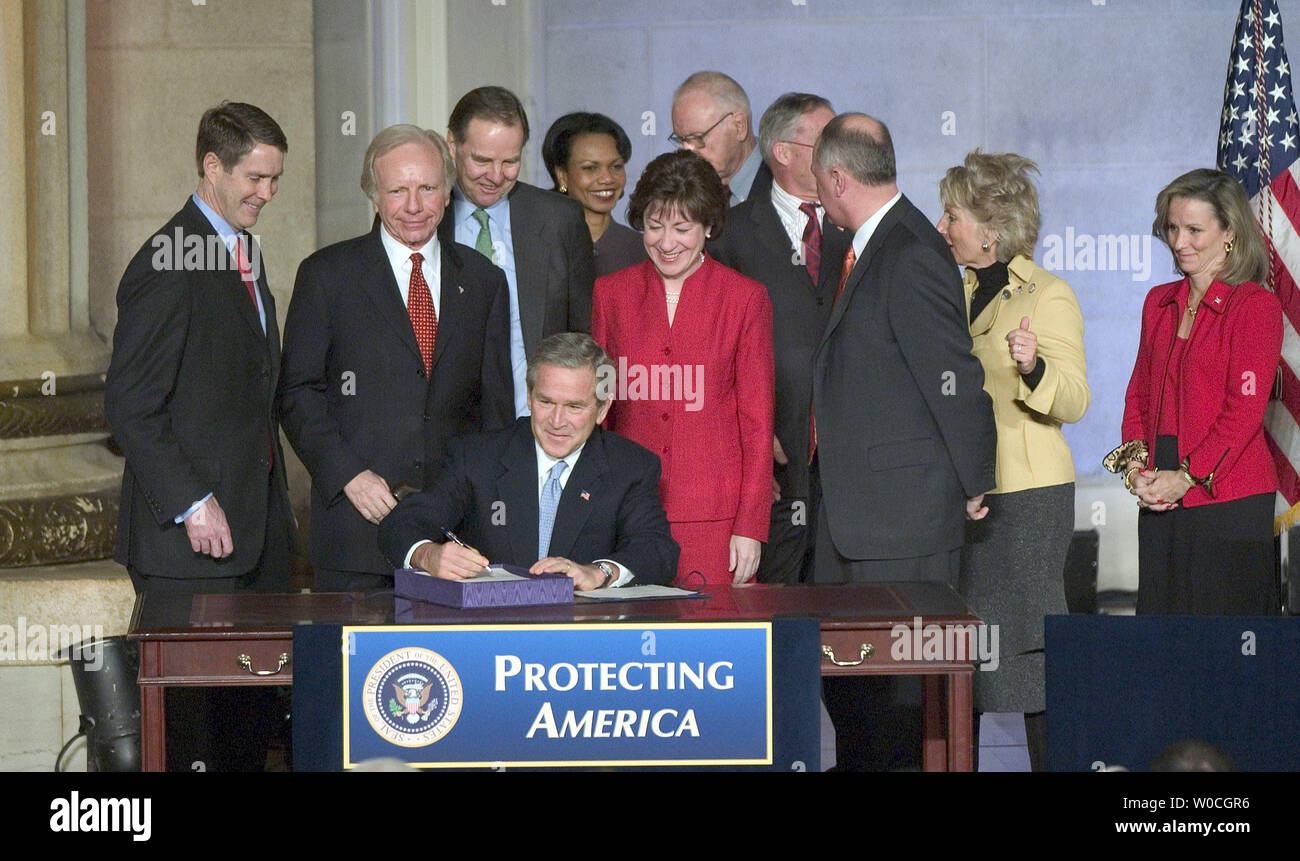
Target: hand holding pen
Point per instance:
(454, 560)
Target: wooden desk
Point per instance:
(247, 639)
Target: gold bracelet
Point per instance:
(1128, 477)
(1207, 483)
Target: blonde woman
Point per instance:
(1027, 332)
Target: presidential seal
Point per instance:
(412, 697)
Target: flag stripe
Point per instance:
(1259, 140)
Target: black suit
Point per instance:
(761, 187)
(554, 267)
(487, 492)
(190, 396)
(756, 244)
(905, 429)
(905, 435)
(354, 393)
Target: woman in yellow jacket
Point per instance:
(1027, 332)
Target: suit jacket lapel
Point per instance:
(452, 298)
(272, 325)
(770, 233)
(571, 516)
(376, 275)
(247, 309)
(530, 274)
(835, 241)
(229, 278)
(518, 489)
(270, 339)
(863, 263)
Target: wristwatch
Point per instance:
(608, 571)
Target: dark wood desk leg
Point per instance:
(960, 692)
(936, 708)
(153, 712)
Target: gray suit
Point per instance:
(905, 435)
(553, 262)
(905, 429)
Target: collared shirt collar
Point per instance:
(743, 180)
(792, 218)
(228, 234)
(229, 237)
(399, 260)
(545, 462)
(498, 213)
(863, 236)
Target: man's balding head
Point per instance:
(711, 117)
(853, 165)
(861, 146)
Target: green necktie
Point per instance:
(483, 245)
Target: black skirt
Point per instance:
(1207, 560)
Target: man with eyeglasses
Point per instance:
(711, 117)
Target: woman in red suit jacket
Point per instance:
(1194, 453)
(692, 340)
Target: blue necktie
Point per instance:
(546, 509)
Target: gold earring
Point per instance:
(564, 189)
(1227, 247)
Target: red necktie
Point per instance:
(246, 270)
(849, 259)
(419, 304)
(812, 241)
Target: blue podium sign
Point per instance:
(559, 695)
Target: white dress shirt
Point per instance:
(863, 236)
(794, 220)
(399, 258)
(544, 464)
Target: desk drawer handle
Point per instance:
(247, 663)
(866, 651)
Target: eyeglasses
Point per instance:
(798, 143)
(696, 140)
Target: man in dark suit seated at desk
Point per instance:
(554, 488)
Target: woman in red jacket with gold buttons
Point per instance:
(692, 341)
(1194, 453)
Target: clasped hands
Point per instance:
(1156, 489)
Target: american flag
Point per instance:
(1258, 145)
